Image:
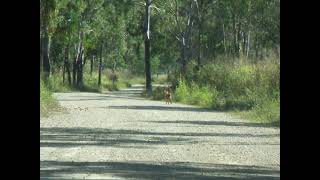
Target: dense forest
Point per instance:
(219, 54)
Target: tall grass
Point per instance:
(247, 87)
(194, 94)
(47, 101)
(55, 84)
(127, 79)
(90, 82)
(160, 79)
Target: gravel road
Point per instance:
(118, 135)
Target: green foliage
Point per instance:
(55, 84)
(47, 101)
(129, 78)
(158, 93)
(237, 43)
(196, 95)
(113, 77)
(155, 62)
(160, 79)
(268, 111)
(92, 81)
(241, 86)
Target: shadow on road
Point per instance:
(70, 137)
(101, 98)
(216, 123)
(164, 108)
(148, 170)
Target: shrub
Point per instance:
(194, 94)
(47, 101)
(233, 86)
(181, 93)
(113, 77)
(158, 93)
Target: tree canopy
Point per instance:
(111, 34)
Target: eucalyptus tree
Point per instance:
(47, 8)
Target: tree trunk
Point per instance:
(113, 75)
(64, 65)
(148, 68)
(147, 48)
(278, 51)
(74, 71)
(183, 58)
(126, 57)
(199, 51)
(68, 73)
(80, 70)
(248, 45)
(199, 8)
(224, 39)
(100, 65)
(188, 38)
(91, 65)
(84, 59)
(186, 43)
(45, 53)
(244, 45)
(66, 60)
(256, 47)
(239, 39)
(234, 35)
(63, 72)
(80, 62)
(41, 50)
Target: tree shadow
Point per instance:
(128, 90)
(123, 138)
(162, 108)
(126, 93)
(101, 98)
(70, 137)
(150, 170)
(216, 123)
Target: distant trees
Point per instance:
(46, 11)
(119, 34)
